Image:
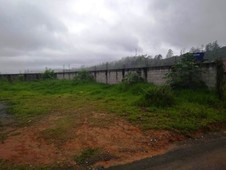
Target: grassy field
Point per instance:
(191, 109)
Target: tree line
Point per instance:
(212, 51)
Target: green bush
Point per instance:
(86, 156)
(132, 78)
(220, 79)
(135, 89)
(158, 97)
(48, 74)
(83, 76)
(186, 73)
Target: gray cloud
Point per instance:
(190, 23)
(25, 26)
(35, 34)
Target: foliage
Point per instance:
(135, 89)
(86, 155)
(132, 78)
(169, 53)
(158, 57)
(212, 46)
(158, 96)
(132, 62)
(212, 51)
(186, 73)
(192, 108)
(220, 79)
(48, 74)
(83, 76)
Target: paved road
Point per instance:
(208, 153)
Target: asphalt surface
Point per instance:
(206, 153)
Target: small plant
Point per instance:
(132, 78)
(90, 156)
(48, 74)
(83, 76)
(87, 155)
(3, 137)
(157, 96)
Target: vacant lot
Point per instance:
(57, 124)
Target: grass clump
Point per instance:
(60, 132)
(90, 156)
(158, 97)
(87, 156)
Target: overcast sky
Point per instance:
(35, 34)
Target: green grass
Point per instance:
(86, 156)
(192, 109)
(90, 156)
(60, 132)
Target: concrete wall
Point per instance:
(66, 75)
(26, 77)
(155, 75)
(101, 76)
(209, 75)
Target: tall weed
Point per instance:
(158, 97)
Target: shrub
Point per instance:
(48, 74)
(136, 89)
(83, 76)
(86, 156)
(186, 73)
(157, 96)
(132, 78)
(220, 79)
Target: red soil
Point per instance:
(125, 142)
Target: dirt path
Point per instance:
(206, 153)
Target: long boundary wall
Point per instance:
(155, 75)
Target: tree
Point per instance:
(213, 49)
(212, 46)
(169, 53)
(182, 51)
(186, 73)
(195, 50)
(158, 57)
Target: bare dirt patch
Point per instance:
(119, 141)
